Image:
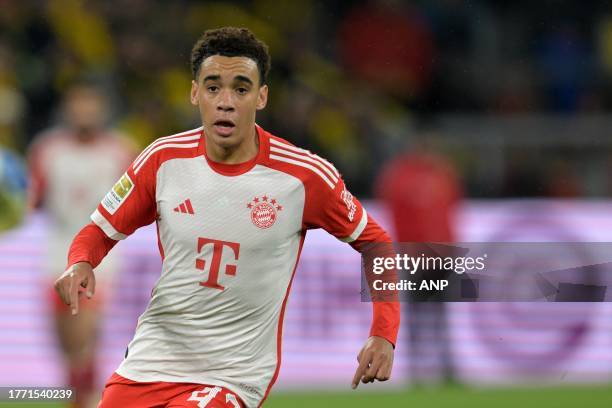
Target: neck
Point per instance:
(85, 134)
(240, 153)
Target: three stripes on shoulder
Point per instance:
(188, 139)
(300, 157)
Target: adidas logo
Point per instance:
(185, 207)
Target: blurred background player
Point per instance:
(421, 189)
(81, 141)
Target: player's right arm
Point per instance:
(129, 204)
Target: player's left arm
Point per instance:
(335, 209)
(376, 357)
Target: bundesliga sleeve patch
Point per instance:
(117, 195)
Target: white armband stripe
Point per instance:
(106, 226)
(359, 229)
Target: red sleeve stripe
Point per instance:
(321, 160)
(163, 146)
(305, 165)
(188, 135)
(359, 229)
(303, 157)
(106, 226)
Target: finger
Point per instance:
(370, 373)
(65, 289)
(363, 365)
(61, 291)
(74, 294)
(384, 372)
(90, 289)
(357, 376)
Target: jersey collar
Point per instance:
(238, 168)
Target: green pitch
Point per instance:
(446, 397)
(453, 397)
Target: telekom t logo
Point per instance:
(215, 263)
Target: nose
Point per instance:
(225, 101)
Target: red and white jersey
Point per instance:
(230, 238)
(68, 178)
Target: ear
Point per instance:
(194, 92)
(262, 98)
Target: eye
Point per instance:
(242, 91)
(212, 88)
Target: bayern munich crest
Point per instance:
(264, 211)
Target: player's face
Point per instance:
(85, 109)
(228, 95)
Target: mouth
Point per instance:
(224, 127)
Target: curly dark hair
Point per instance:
(231, 42)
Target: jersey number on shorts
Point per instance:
(207, 394)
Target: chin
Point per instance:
(225, 141)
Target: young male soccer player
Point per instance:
(232, 205)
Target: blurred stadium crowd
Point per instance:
(354, 81)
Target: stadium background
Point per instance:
(515, 95)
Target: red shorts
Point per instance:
(120, 392)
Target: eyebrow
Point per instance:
(243, 79)
(211, 78)
(236, 78)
